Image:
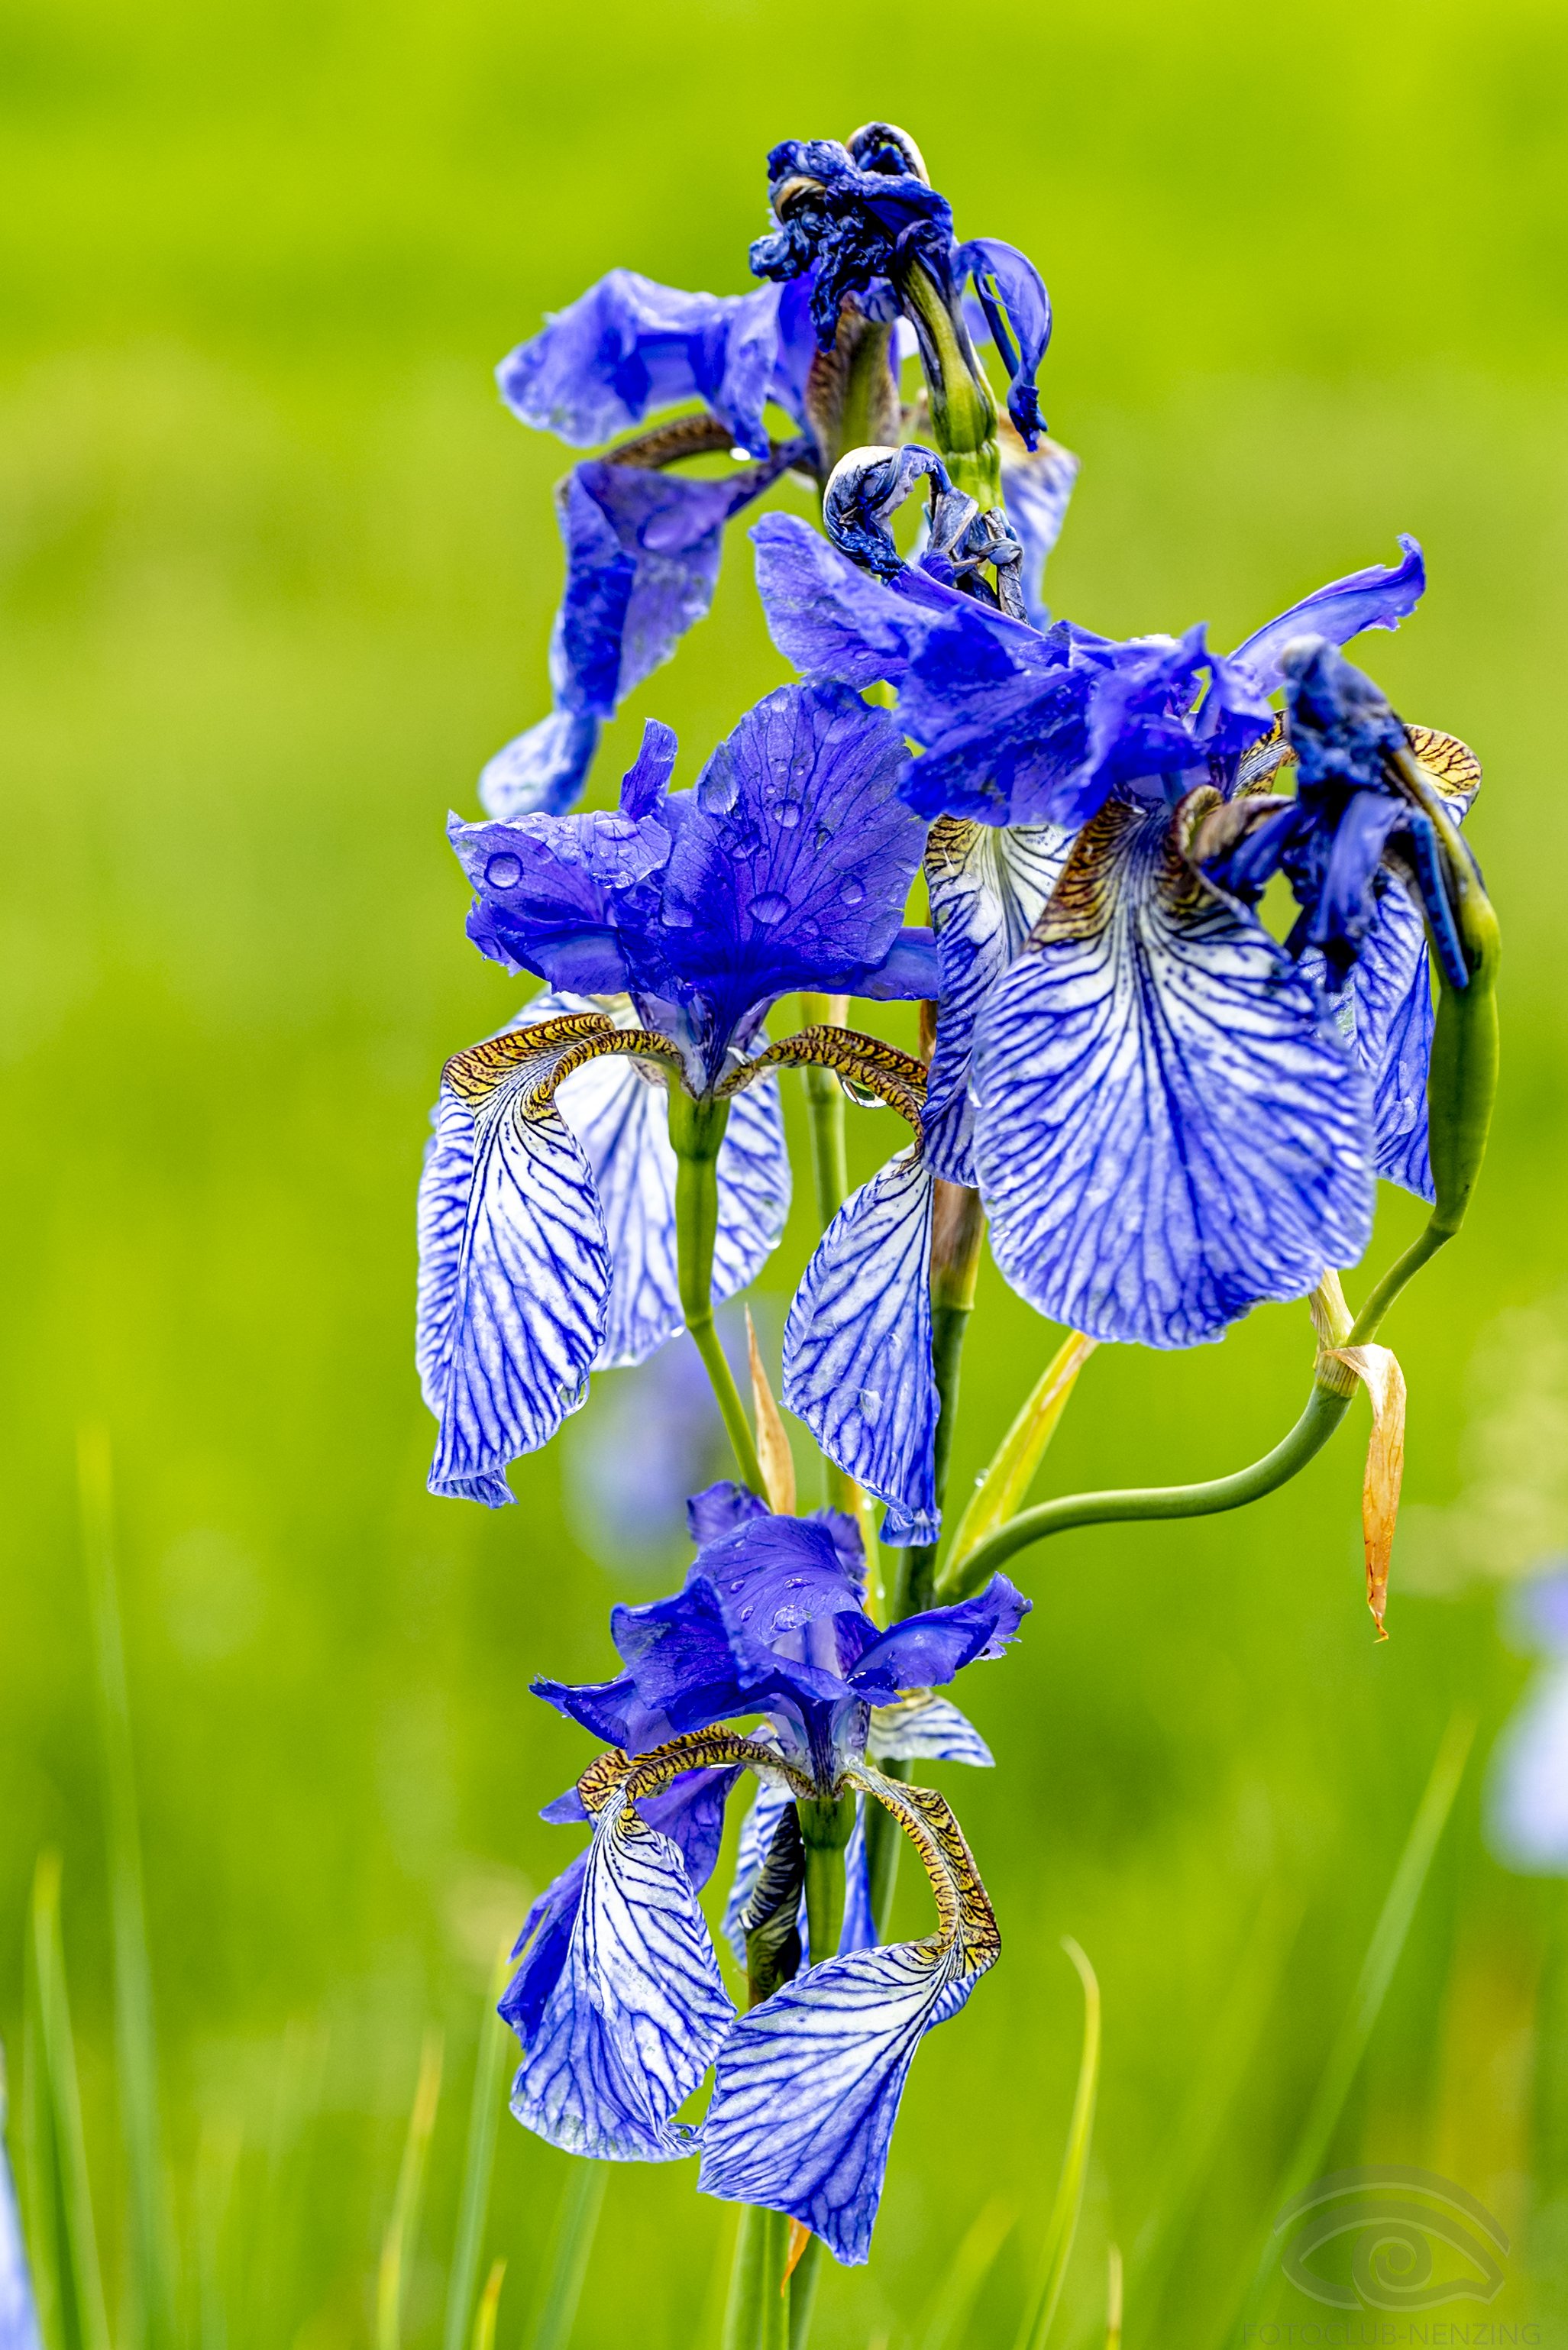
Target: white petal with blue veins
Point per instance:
(639, 2010)
(1167, 1129)
(857, 1347)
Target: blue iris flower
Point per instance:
(1152, 1095)
(665, 929)
(642, 543)
(856, 220)
(1367, 870)
(619, 2002)
(18, 2318)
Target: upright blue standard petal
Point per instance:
(629, 345)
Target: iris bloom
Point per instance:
(1152, 1095)
(619, 2002)
(643, 540)
(550, 1238)
(1368, 868)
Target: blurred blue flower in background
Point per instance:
(1527, 1792)
(653, 1437)
(18, 2318)
(619, 2002)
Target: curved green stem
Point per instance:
(1324, 1411)
(696, 1130)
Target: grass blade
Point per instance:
(478, 2166)
(1382, 1953)
(1062, 2224)
(1001, 1491)
(972, 2264)
(1114, 2298)
(136, 2059)
(570, 2253)
(485, 2318)
(1256, 1981)
(402, 2228)
(62, 2189)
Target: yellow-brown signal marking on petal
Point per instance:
(476, 1074)
(1263, 761)
(633, 1043)
(642, 1775)
(966, 1922)
(1452, 764)
(894, 1077)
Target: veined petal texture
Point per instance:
(808, 2083)
(1167, 1129)
(988, 886)
(620, 1117)
(639, 2011)
(1388, 997)
(772, 1800)
(515, 1272)
(541, 771)
(926, 1726)
(857, 1347)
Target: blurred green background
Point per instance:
(278, 575)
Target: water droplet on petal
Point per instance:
(770, 908)
(504, 871)
(851, 891)
(789, 814)
(870, 1402)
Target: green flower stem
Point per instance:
(696, 1130)
(1326, 1407)
(957, 1226)
(742, 2311)
(802, 2294)
(963, 412)
(824, 1107)
(774, 2294)
(826, 1828)
(825, 1112)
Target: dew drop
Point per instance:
(870, 1402)
(851, 891)
(789, 814)
(504, 871)
(770, 906)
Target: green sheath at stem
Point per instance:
(1324, 1411)
(696, 1130)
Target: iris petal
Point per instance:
(638, 2010)
(541, 771)
(1035, 489)
(925, 1726)
(1380, 597)
(513, 1285)
(1166, 1129)
(988, 886)
(858, 1348)
(628, 345)
(770, 1803)
(808, 2083)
